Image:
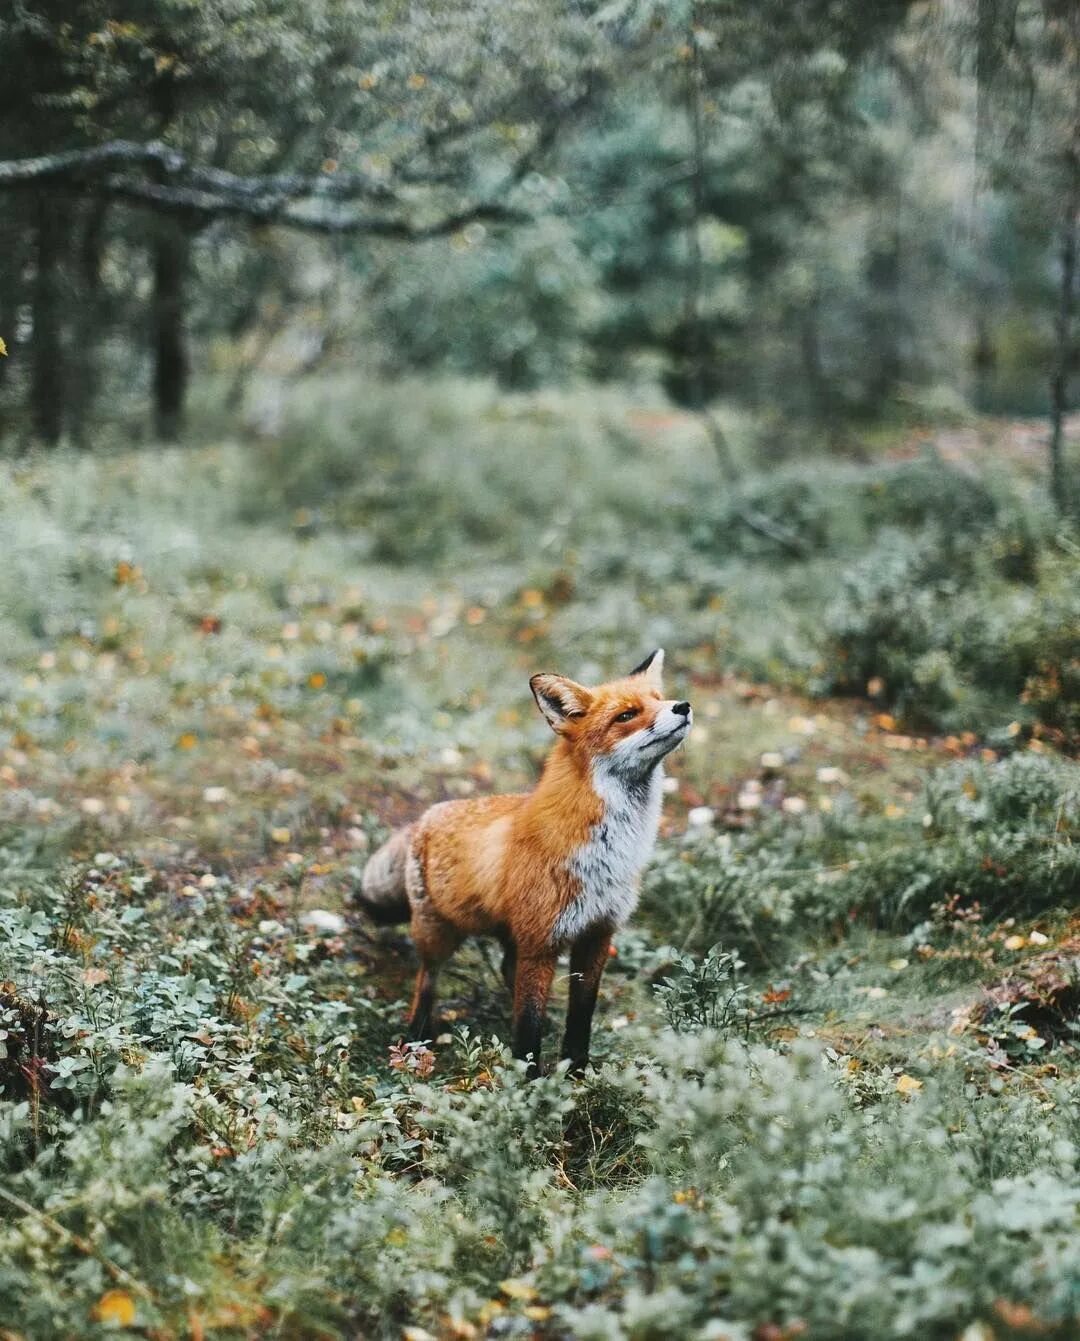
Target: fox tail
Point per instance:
(382, 886)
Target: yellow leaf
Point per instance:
(517, 1289)
(115, 1306)
(3, 350)
(908, 1085)
(416, 81)
(537, 1313)
(280, 835)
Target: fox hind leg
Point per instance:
(435, 940)
(423, 1004)
(508, 968)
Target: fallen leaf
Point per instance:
(1017, 1316)
(906, 1084)
(115, 1306)
(517, 1289)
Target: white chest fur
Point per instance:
(609, 862)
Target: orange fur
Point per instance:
(505, 865)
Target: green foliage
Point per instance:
(223, 1116)
(424, 470)
(775, 1202)
(830, 507)
(703, 994)
(999, 836)
(950, 638)
(712, 888)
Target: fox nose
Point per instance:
(683, 708)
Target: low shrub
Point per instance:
(948, 640)
(1002, 835)
(838, 508)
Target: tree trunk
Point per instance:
(171, 247)
(818, 389)
(1059, 382)
(47, 382)
(694, 260)
(85, 361)
(884, 353)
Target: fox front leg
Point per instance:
(532, 983)
(588, 956)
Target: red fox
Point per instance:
(552, 869)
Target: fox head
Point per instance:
(626, 723)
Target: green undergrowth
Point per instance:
(1003, 836)
(837, 1091)
(202, 1124)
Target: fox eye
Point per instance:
(628, 715)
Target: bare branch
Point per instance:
(313, 203)
(74, 163)
(309, 215)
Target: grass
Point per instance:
(231, 668)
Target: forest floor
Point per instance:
(219, 723)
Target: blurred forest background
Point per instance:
(827, 214)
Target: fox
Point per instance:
(543, 872)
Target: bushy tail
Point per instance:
(382, 886)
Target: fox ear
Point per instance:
(652, 668)
(559, 699)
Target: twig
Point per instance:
(84, 1245)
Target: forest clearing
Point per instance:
(836, 1044)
